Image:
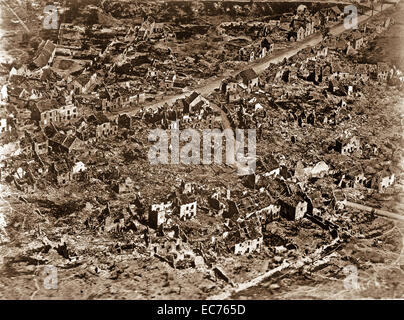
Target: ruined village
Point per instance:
(78, 191)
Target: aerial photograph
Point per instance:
(201, 150)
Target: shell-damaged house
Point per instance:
(159, 213)
(104, 127)
(383, 179)
(39, 141)
(249, 78)
(62, 143)
(123, 185)
(261, 205)
(185, 207)
(247, 238)
(357, 40)
(333, 14)
(44, 55)
(352, 176)
(293, 207)
(348, 145)
(61, 171)
(269, 209)
(48, 111)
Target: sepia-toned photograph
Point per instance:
(210, 150)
